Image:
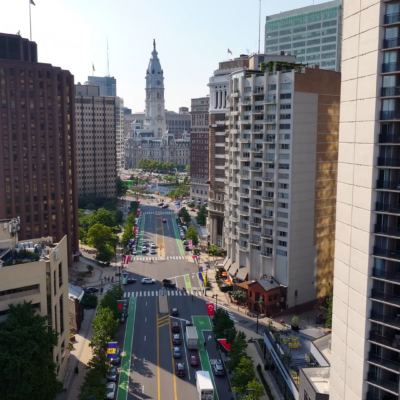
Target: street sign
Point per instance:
(111, 349)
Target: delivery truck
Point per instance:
(205, 388)
(192, 339)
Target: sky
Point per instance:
(192, 37)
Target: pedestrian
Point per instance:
(112, 279)
(101, 290)
(76, 370)
(205, 344)
(192, 296)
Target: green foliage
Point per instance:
(187, 168)
(111, 205)
(121, 187)
(99, 234)
(238, 350)
(265, 383)
(110, 299)
(82, 235)
(254, 390)
(182, 190)
(105, 253)
(191, 204)
(239, 295)
(90, 268)
(26, 362)
(156, 166)
(280, 66)
(93, 386)
(244, 373)
(295, 320)
(202, 215)
(191, 234)
(223, 326)
(185, 215)
(215, 251)
(103, 217)
(328, 309)
(89, 300)
(105, 326)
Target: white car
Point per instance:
(148, 280)
(134, 252)
(111, 386)
(153, 245)
(144, 249)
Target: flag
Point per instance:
(126, 259)
(33, 3)
(229, 52)
(111, 349)
(225, 344)
(93, 68)
(210, 309)
(125, 278)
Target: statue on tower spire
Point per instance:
(154, 43)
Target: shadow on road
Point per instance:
(135, 390)
(141, 367)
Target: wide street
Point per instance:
(147, 370)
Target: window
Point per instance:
(272, 87)
(285, 47)
(285, 39)
(284, 126)
(315, 49)
(283, 215)
(328, 55)
(283, 166)
(286, 86)
(284, 146)
(285, 116)
(313, 26)
(283, 186)
(281, 252)
(285, 96)
(284, 136)
(329, 23)
(328, 47)
(282, 243)
(271, 107)
(328, 39)
(299, 44)
(271, 41)
(283, 205)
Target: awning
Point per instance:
(224, 273)
(242, 273)
(221, 264)
(234, 268)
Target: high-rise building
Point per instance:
(199, 186)
(43, 282)
(313, 34)
(127, 111)
(281, 151)
(38, 179)
(96, 142)
(107, 84)
(366, 307)
(120, 133)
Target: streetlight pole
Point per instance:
(260, 302)
(216, 300)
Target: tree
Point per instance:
(223, 326)
(104, 217)
(110, 300)
(105, 327)
(187, 168)
(82, 235)
(121, 188)
(244, 373)
(328, 309)
(99, 234)
(93, 386)
(26, 362)
(105, 252)
(254, 389)
(238, 351)
(185, 215)
(239, 295)
(201, 216)
(191, 234)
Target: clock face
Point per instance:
(158, 82)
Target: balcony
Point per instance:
(385, 297)
(267, 217)
(235, 94)
(390, 67)
(243, 140)
(388, 162)
(387, 253)
(255, 224)
(244, 194)
(233, 219)
(390, 185)
(270, 120)
(387, 207)
(256, 150)
(245, 121)
(383, 362)
(234, 113)
(390, 386)
(390, 91)
(255, 243)
(389, 138)
(270, 99)
(387, 230)
(385, 319)
(268, 236)
(234, 148)
(243, 248)
(246, 177)
(266, 254)
(257, 206)
(257, 111)
(233, 166)
(235, 184)
(245, 213)
(255, 169)
(390, 43)
(234, 201)
(269, 160)
(269, 140)
(386, 275)
(233, 236)
(268, 198)
(243, 158)
(267, 179)
(245, 231)
(217, 201)
(384, 340)
(388, 115)
(233, 130)
(391, 18)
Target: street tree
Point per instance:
(104, 217)
(254, 390)
(110, 300)
(99, 234)
(105, 327)
(223, 326)
(105, 253)
(99, 361)
(121, 188)
(244, 373)
(238, 351)
(191, 234)
(185, 215)
(239, 295)
(187, 168)
(93, 386)
(201, 216)
(26, 360)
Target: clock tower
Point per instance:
(155, 104)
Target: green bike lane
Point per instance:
(123, 386)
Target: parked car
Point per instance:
(91, 290)
(219, 369)
(176, 339)
(177, 352)
(165, 206)
(134, 252)
(175, 312)
(112, 374)
(148, 280)
(187, 248)
(130, 280)
(117, 359)
(180, 369)
(152, 251)
(175, 327)
(144, 249)
(111, 387)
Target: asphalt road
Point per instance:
(150, 372)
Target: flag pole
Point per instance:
(30, 22)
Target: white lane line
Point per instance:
(140, 294)
(152, 293)
(156, 294)
(125, 294)
(145, 338)
(184, 343)
(148, 293)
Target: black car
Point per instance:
(180, 369)
(91, 290)
(131, 280)
(164, 206)
(117, 359)
(175, 312)
(187, 248)
(189, 323)
(175, 327)
(168, 283)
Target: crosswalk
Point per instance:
(172, 293)
(139, 258)
(158, 212)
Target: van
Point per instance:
(184, 228)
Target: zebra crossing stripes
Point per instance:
(158, 212)
(175, 257)
(140, 258)
(171, 293)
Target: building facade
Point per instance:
(313, 34)
(366, 328)
(281, 151)
(149, 138)
(43, 282)
(199, 171)
(107, 84)
(38, 174)
(97, 142)
(120, 133)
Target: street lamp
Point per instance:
(216, 300)
(260, 303)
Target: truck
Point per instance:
(192, 339)
(205, 388)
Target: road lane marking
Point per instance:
(144, 337)
(187, 283)
(184, 344)
(158, 356)
(172, 358)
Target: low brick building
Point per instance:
(269, 291)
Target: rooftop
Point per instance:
(319, 378)
(267, 284)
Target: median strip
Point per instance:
(187, 283)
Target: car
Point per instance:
(177, 352)
(112, 374)
(148, 280)
(165, 206)
(218, 369)
(168, 283)
(111, 387)
(117, 359)
(185, 242)
(175, 327)
(122, 319)
(194, 361)
(187, 248)
(183, 238)
(130, 280)
(180, 369)
(175, 312)
(160, 204)
(176, 339)
(192, 209)
(164, 220)
(153, 245)
(152, 251)
(134, 252)
(145, 244)
(91, 290)
(144, 249)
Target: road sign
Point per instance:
(111, 349)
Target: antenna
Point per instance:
(259, 27)
(108, 61)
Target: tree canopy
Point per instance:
(238, 351)
(223, 326)
(156, 166)
(191, 234)
(27, 367)
(121, 187)
(99, 234)
(202, 215)
(244, 373)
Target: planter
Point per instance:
(295, 328)
(72, 338)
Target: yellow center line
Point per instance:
(158, 358)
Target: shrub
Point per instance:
(265, 383)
